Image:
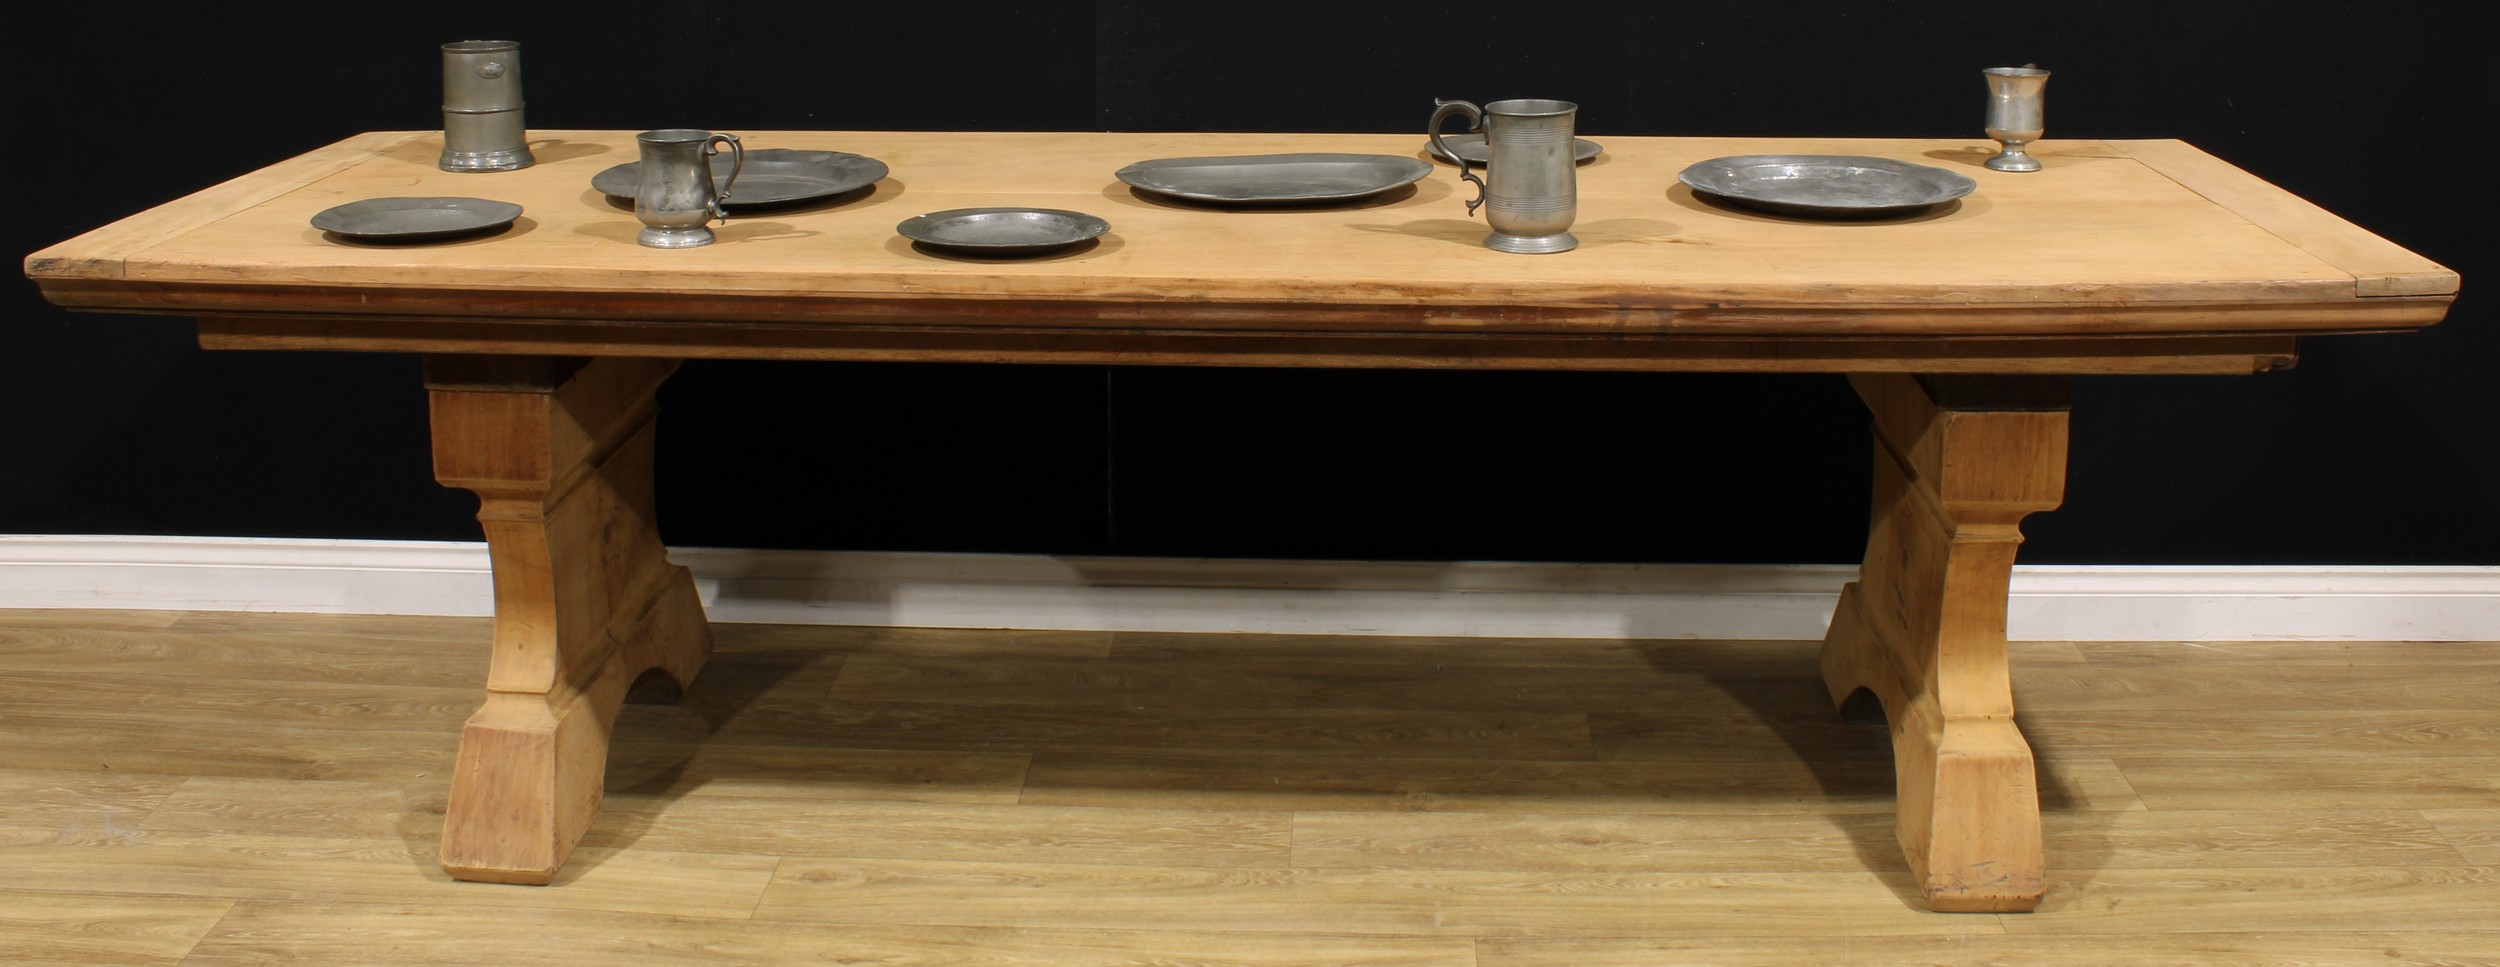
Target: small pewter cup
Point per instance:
(482, 126)
(1530, 191)
(679, 196)
(2014, 96)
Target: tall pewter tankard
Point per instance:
(1530, 191)
(482, 126)
(679, 195)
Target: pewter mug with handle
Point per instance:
(1530, 191)
(678, 195)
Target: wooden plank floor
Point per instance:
(216, 789)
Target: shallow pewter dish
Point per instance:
(1275, 179)
(1825, 186)
(415, 219)
(1471, 147)
(772, 177)
(1002, 232)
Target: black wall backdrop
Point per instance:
(2376, 449)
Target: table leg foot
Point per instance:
(1958, 464)
(559, 453)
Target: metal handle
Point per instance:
(1475, 122)
(737, 163)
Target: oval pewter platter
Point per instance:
(1471, 147)
(1002, 232)
(1275, 179)
(415, 219)
(773, 177)
(1825, 185)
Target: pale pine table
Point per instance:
(544, 345)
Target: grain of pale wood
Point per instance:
(2360, 657)
(2209, 949)
(14, 621)
(2157, 690)
(2233, 730)
(2294, 780)
(44, 929)
(1836, 842)
(1539, 862)
(2379, 267)
(132, 657)
(945, 831)
(1249, 780)
(40, 795)
(277, 704)
(2285, 899)
(2079, 780)
(326, 934)
(1262, 683)
(1752, 658)
(1729, 842)
(212, 743)
(1313, 733)
(213, 805)
(240, 866)
(1293, 900)
(2109, 245)
(2474, 832)
(732, 767)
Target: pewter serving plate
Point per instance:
(1002, 232)
(1825, 186)
(773, 177)
(1275, 179)
(415, 219)
(1471, 147)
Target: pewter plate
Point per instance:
(413, 219)
(1825, 186)
(1471, 147)
(1002, 232)
(1275, 179)
(773, 177)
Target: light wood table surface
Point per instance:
(546, 342)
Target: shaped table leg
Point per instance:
(1959, 461)
(559, 454)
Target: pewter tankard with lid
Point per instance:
(1530, 191)
(679, 194)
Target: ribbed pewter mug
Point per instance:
(482, 125)
(1530, 191)
(678, 195)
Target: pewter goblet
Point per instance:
(2014, 95)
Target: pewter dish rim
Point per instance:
(1944, 185)
(343, 220)
(1395, 171)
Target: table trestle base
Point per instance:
(1959, 461)
(559, 452)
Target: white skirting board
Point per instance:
(1480, 599)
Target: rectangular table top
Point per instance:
(2113, 240)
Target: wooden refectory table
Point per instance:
(544, 344)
